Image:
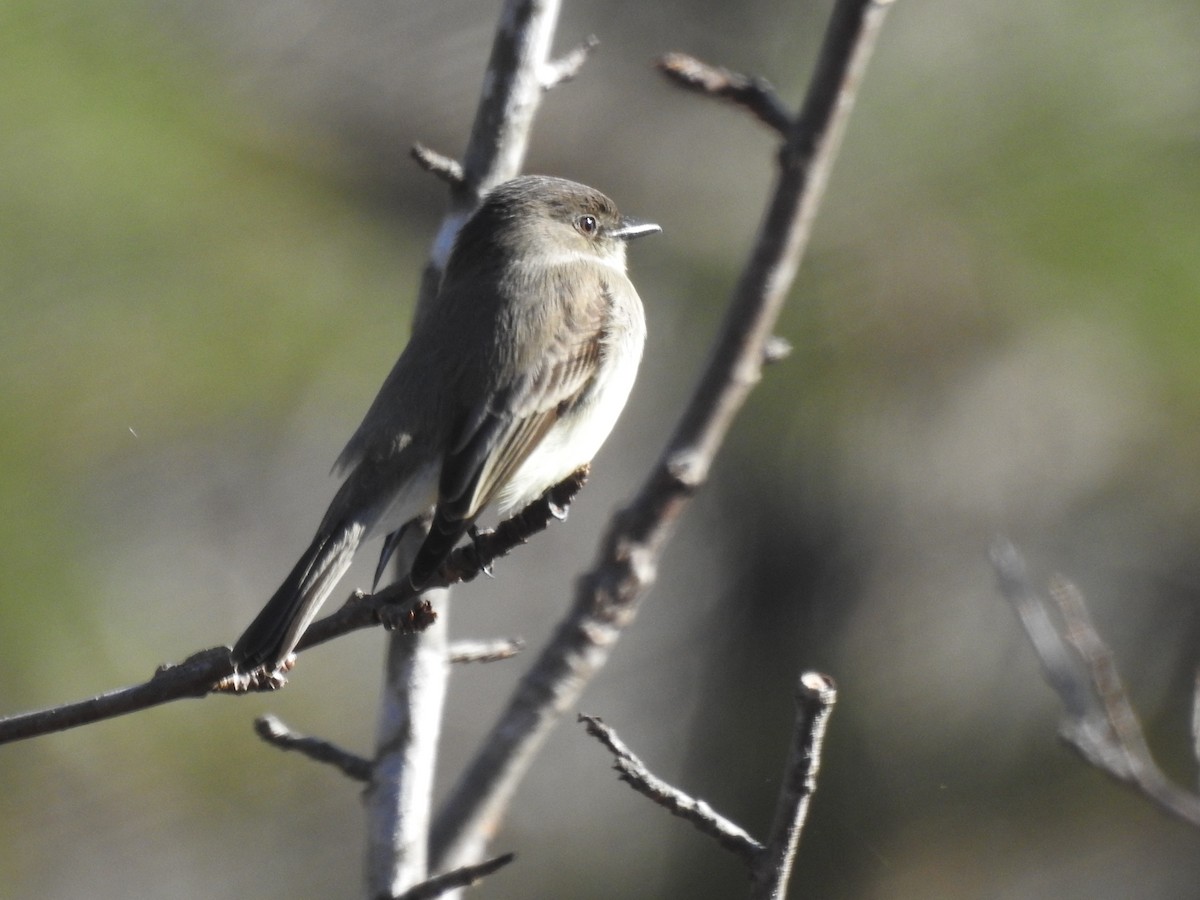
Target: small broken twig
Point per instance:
(275, 733)
(445, 168)
(485, 651)
(568, 65)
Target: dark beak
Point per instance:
(632, 228)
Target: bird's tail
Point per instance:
(276, 630)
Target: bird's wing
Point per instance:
(498, 435)
(501, 432)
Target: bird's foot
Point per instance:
(259, 679)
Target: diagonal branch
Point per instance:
(607, 596)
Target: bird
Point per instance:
(512, 378)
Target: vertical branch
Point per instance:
(398, 800)
(608, 595)
(399, 796)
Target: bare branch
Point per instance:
(445, 168)
(275, 733)
(707, 820)
(753, 94)
(1098, 720)
(459, 878)
(485, 651)
(607, 596)
(208, 670)
(815, 697)
(568, 65)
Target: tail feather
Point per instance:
(274, 633)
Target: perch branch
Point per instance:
(202, 672)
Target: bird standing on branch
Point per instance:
(512, 379)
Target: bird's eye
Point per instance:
(587, 225)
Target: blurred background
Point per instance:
(210, 240)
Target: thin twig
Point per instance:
(1098, 720)
(815, 697)
(275, 733)
(753, 94)
(459, 878)
(485, 651)
(205, 671)
(633, 772)
(607, 596)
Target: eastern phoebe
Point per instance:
(511, 380)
